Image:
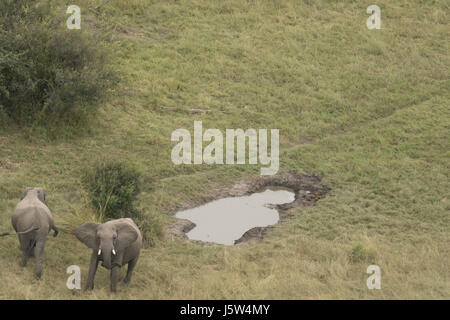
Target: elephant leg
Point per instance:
(92, 270)
(26, 246)
(130, 269)
(115, 272)
(38, 250)
(24, 261)
(31, 247)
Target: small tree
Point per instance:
(112, 187)
(50, 76)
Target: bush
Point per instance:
(49, 75)
(151, 227)
(361, 253)
(112, 188)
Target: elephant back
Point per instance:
(31, 215)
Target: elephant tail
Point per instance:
(4, 234)
(55, 231)
(32, 228)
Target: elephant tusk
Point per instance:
(113, 252)
(99, 251)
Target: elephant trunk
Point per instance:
(106, 253)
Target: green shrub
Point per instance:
(151, 227)
(49, 75)
(361, 253)
(112, 187)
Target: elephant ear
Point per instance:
(41, 195)
(87, 233)
(24, 194)
(126, 235)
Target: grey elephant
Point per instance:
(114, 243)
(32, 221)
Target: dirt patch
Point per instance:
(7, 164)
(308, 190)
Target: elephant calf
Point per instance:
(115, 243)
(32, 221)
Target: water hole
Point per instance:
(226, 220)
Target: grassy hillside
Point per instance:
(367, 110)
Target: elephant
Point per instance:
(114, 243)
(32, 221)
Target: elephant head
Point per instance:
(109, 239)
(36, 192)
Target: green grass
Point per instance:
(368, 110)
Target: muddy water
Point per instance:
(226, 220)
